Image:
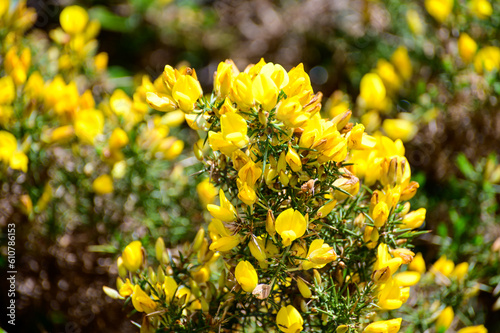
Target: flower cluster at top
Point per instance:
(294, 237)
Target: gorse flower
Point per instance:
(290, 225)
(289, 320)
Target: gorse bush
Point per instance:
(295, 243)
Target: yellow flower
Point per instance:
(225, 212)
(414, 219)
(417, 264)
(141, 301)
(481, 8)
(355, 137)
(246, 193)
(186, 92)
(467, 47)
(126, 289)
(290, 225)
(401, 61)
(349, 184)
(250, 173)
(132, 256)
(385, 326)
(206, 192)
(370, 237)
(460, 271)
(241, 91)
(234, 129)
(319, 255)
(487, 59)
(7, 90)
(290, 112)
(160, 101)
(407, 279)
(439, 9)
(405, 254)
(395, 170)
(170, 287)
(293, 159)
(414, 22)
(390, 296)
(372, 91)
(400, 129)
(443, 266)
(473, 329)
(223, 80)
(289, 320)
(299, 85)
(74, 19)
(265, 92)
(19, 161)
(304, 289)
(224, 244)
(246, 276)
(103, 184)
(380, 214)
(384, 260)
(4, 7)
(445, 319)
(118, 139)
(8, 146)
(387, 73)
(88, 124)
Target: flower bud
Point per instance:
(246, 276)
(304, 289)
(132, 256)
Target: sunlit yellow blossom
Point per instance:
(160, 102)
(387, 73)
(265, 92)
(405, 254)
(439, 9)
(385, 326)
(246, 276)
(225, 212)
(88, 124)
(241, 91)
(407, 279)
(319, 255)
(380, 214)
(170, 287)
(290, 225)
(246, 193)
(223, 80)
(74, 19)
(223, 241)
(467, 47)
(186, 92)
(443, 266)
(481, 8)
(7, 90)
(233, 134)
(250, 172)
(141, 301)
(290, 112)
(417, 264)
(395, 170)
(299, 85)
(293, 159)
(400, 129)
(118, 139)
(127, 288)
(390, 295)
(487, 59)
(372, 91)
(132, 256)
(19, 161)
(349, 184)
(206, 192)
(414, 219)
(445, 319)
(371, 236)
(473, 329)
(460, 271)
(401, 60)
(289, 320)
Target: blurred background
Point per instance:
(440, 87)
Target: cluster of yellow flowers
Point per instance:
(42, 107)
(290, 225)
